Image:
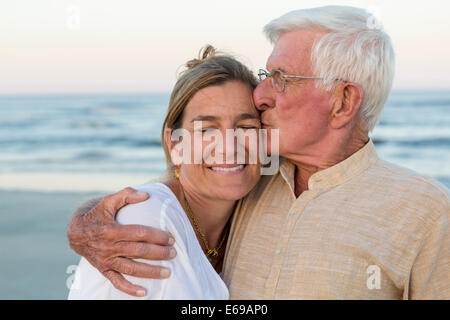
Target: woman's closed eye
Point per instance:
(251, 125)
(208, 130)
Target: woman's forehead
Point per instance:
(228, 100)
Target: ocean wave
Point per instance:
(377, 141)
(431, 142)
(55, 141)
(92, 124)
(92, 155)
(426, 102)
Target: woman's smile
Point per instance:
(228, 169)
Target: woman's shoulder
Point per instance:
(161, 206)
(158, 191)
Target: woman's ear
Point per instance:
(168, 136)
(175, 155)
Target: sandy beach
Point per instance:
(33, 245)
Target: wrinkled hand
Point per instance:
(109, 247)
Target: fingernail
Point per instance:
(164, 273)
(140, 293)
(172, 252)
(171, 241)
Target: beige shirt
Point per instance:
(364, 229)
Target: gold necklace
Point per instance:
(210, 253)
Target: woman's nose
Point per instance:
(229, 147)
(263, 95)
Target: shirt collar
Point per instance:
(337, 174)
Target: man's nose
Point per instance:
(263, 95)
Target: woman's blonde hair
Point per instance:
(209, 69)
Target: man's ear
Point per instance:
(347, 101)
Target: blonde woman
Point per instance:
(196, 202)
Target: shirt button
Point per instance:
(278, 251)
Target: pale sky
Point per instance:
(100, 46)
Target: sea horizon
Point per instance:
(100, 93)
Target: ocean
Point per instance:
(59, 150)
(82, 134)
(120, 134)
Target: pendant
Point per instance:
(212, 253)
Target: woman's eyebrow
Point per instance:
(245, 116)
(205, 118)
(240, 117)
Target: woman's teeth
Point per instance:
(228, 169)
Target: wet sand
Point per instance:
(34, 251)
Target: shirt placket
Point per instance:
(280, 253)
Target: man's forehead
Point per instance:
(293, 48)
(286, 55)
(280, 59)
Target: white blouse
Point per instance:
(192, 275)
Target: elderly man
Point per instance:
(336, 222)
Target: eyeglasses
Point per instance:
(279, 78)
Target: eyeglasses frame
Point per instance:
(283, 76)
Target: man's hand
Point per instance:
(108, 246)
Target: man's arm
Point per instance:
(94, 234)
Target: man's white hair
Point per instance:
(355, 49)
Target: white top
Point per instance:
(192, 275)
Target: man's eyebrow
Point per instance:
(205, 118)
(281, 69)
